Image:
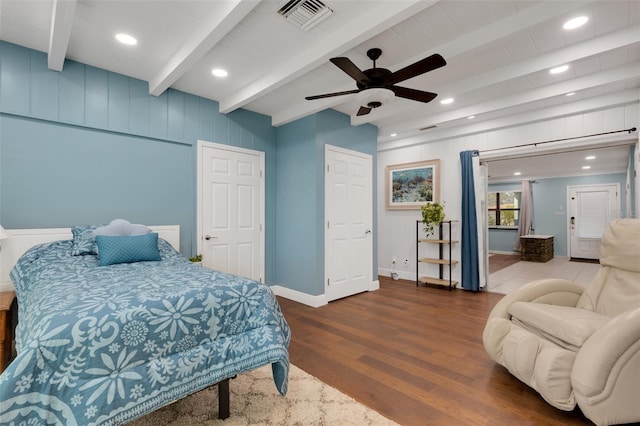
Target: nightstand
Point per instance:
(6, 334)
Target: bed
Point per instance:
(105, 344)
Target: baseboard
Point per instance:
(307, 299)
(513, 253)
(375, 285)
(404, 275)
(300, 297)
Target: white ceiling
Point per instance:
(609, 159)
(498, 53)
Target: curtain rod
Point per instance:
(631, 130)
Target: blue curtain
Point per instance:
(469, 233)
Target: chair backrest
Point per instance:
(616, 287)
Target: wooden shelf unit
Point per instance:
(441, 260)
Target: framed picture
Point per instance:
(411, 185)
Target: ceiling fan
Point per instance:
(379, 83)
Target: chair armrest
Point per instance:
(552, 291)
(609, 361)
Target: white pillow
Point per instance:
(121, 228)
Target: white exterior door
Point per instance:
(348, 213)
(591, 208)
(231, 209)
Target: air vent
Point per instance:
(428, 128)
(305, 14)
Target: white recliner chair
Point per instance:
(574, 344)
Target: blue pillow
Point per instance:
(127, 249)
(83, 240)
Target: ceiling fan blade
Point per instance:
(329, 95)
(427, 64)
(350, 68)
(413, 94)
(363, 111)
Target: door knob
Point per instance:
(367, 231)
(208, 237)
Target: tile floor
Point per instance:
(515, 276)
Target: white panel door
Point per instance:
(231, 210)
(591, 208)
(348, 213)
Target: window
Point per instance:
(504, 208)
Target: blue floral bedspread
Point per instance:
(105, 345)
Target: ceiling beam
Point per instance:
(584, 106)
(614, 40)
(486, 35)
(227, 15)
(62, 16)
(372, 22)
(624, 73)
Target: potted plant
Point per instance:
(197, 259)
(432, 215)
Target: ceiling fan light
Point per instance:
(375, 97)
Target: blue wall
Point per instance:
(87, 145)
(297, 262)
(550, 209)
(300, 197)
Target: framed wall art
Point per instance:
(411, 185)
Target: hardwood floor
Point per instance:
(415, 355)
(501, 261)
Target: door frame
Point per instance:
(372, 285)
(201, 144)
(568, 210)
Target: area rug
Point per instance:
(255, 401)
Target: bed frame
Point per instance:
(21, 240)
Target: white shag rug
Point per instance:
(255, 401)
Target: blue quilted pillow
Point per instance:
(83, 240)
(127, 249)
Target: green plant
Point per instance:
(196, 258)
(432, 214)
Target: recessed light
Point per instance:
(393, 135)
(558, 70)
(126, 39)
(219, 72)
(590, 157)
(586, 167)
(570, 94)
(446, 101)
(574, 23)
(517, 173)
(471, 117)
